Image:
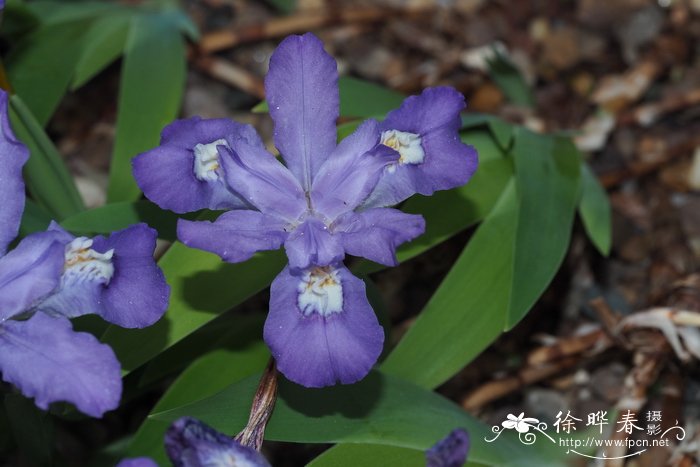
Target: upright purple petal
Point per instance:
(183, 173)
(235, 236)
(312, 243)
(115, 277)
(425, 132)
(262, 180)
(351, 171)
(376, 233)
(50, 362)
(302, 92)
(451, 451)
(321, 329)
(13, 155)
(29, 272)
(191, 443)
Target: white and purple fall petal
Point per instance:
(321, 328)
(183, 174)
(115, 277)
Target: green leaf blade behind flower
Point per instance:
(46, 175)
(504, 268)
(547, 174)
(594, 209)
(104, 42)
(150, 94)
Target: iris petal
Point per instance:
(311, 243)
(191, 443)
(351, 171)
(30, 272)
(376, 233)
(434, 117)
(50, 362)
(13, 155)
(302, 92)
(135, 296)
(262, 180)
(235, 236)
(166, 174)
(316, 350)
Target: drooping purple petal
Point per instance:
(235, 236)
(321, 329)
(183, 173)
(29, 272)
(302, 92)
(13, 155)
(50, 362)
(137, 462)
(312, 243)
(425, 131)
(262, 180)
(191, 443)
(376, 233)
(351, 171)
(115, 277)
(451, 451)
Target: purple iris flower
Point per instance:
(52, 276)
(451, 451)
(191, 443)
(325, 201)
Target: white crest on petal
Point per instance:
(408, 145)
(82, 263)
(320, 291)
(206, 160)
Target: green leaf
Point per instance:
(594, 209)
(502, 131)
(229, 330)
(466, 313)
(116, 216)
(285, 6)
(369, 455)
(205, 377)
(380, 409)
(506, 265)
(34, 219)
(31, 428)
(46, 176)
(41, 66)
(54, 12)
(547, 173)
(104, 42)
(202, 287)
(151, 88)
(448, 212)
(359, 98)
(508, 78)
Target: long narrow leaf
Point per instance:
(46, 176)
(41, 66)
(152, 84)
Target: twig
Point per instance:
(569, 346)
(301, 22)
(496, 389)
(232, 74)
